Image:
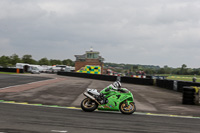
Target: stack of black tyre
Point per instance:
(188, 95)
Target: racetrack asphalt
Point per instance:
(34, 119)
(16, 118)
(11, 80)
(67, 91)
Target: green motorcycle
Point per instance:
(109, 100)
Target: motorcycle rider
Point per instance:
(115, 86)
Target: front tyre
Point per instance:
(131, 108)
(88, 105)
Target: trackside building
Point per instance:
(91, 58)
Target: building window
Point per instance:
(96, 56)
(89, 55)
(92, 56)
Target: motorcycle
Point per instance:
(108, 100)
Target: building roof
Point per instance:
(80, 56)
(92, 52)
(84, 56)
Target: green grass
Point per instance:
(181, 77)
(7, 73)
(12, 73)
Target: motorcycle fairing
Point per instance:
(115, 98)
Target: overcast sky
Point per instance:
(147, 32)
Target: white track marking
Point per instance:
(58, 131)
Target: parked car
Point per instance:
(54, 69)
(34, 70)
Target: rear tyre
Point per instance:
(88, 105)
(131, 108)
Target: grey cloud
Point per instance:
(127, 31)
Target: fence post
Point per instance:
(17, 70)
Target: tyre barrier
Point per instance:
(191, 95)
(174, 84)
(182, 84)
(141, 81)
(168, 84)
(109, 78)
(90, 76)
(163, 83)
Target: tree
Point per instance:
(149, 71)
(44, 61)
(5, 61)
(184, 66)
(15, 59)
(167, 69)
(161, 71)
(190, 71)
(55, 62)
(28, 59)
(176, 71)
(183, 69)
(68, 62)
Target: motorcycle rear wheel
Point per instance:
(88, 105)
(131, 108)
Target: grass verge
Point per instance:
(7, 73)
(182, 77)
(12, 73)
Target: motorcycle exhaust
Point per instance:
(91, 97)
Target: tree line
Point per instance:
(10, 61)
(182, 70)
(153, 70)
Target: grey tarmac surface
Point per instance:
(11, 80)
(59, 93)
(31, 119)
(68, 92)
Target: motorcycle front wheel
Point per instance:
(88, 105)
(131, 108)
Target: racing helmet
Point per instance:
(117, 84)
